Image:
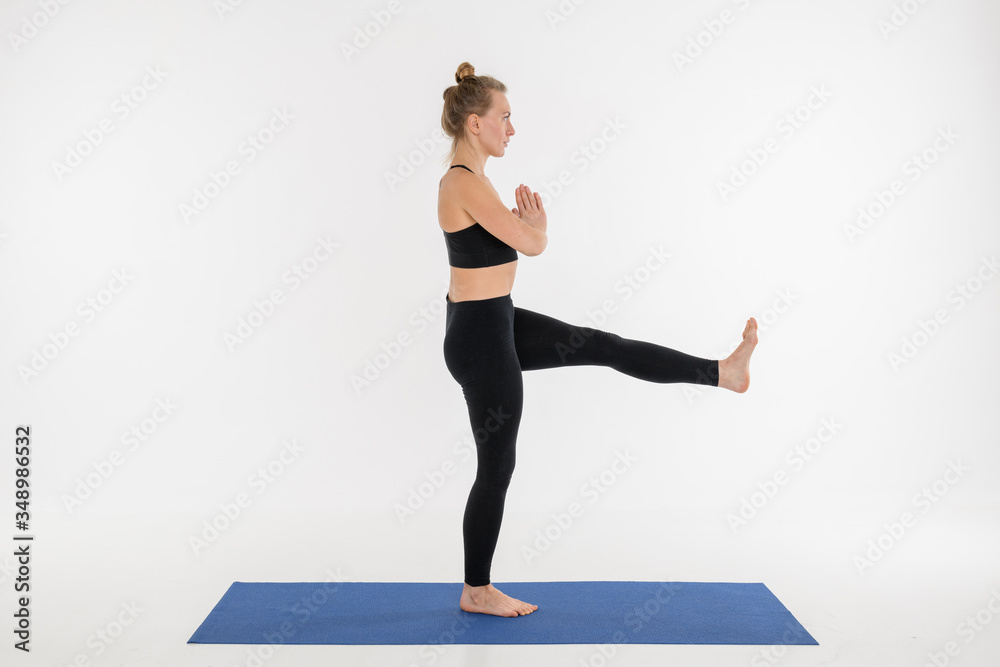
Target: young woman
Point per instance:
(488, 341)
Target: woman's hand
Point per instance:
(529, 207)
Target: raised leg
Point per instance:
(545, 342)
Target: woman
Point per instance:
(488, 341)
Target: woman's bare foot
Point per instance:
(734, 370)
(488, 600)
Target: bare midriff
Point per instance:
(485, 283)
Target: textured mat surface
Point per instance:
(569, 612)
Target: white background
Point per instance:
(357, 165)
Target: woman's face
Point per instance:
(495, 128)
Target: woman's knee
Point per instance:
(587, 346)
(495, 463)
(496, 424)
(494, 478)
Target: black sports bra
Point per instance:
(474, 247)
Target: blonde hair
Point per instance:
(472, 95)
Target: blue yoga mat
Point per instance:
(569, 612)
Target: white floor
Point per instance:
(138, 583)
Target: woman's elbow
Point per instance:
(538, 246)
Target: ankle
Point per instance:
(476, 591)
(724, 367)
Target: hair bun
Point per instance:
(465, 70)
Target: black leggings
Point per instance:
(487, 344)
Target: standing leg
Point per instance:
(494, 395)
(479, 352)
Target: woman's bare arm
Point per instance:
(523, 231)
